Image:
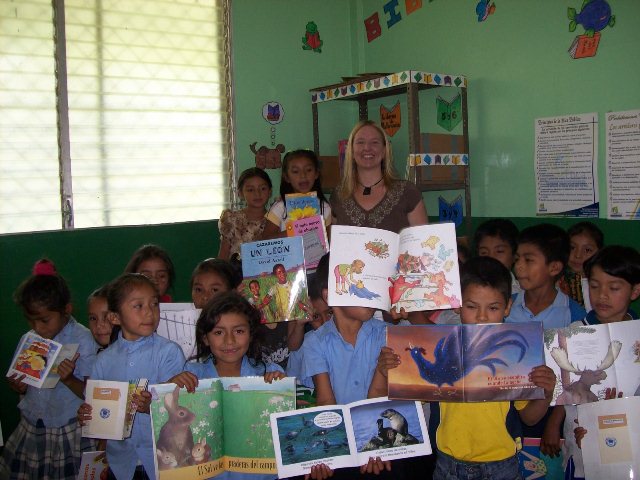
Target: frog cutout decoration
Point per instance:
(311, 39)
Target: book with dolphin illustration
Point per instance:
(588, 359)
(341, 436)
(466, 363)
(222, 427)
(416, 269)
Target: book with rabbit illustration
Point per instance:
(343, 436)
(274, 278)
(588, 359)
(112, 414)
(222, 426)
(466, 363)
(34, 358)
(416, 269)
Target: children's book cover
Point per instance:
(93, 466)
(34, 358)
(66, 352)
(415, 270)
(535, 465)
(588, 359)
(274, 278)
(178, 323)
(465, 363)
(348, 435)
(223, 426)
(611, 446)
(302, 205)
(314, 235)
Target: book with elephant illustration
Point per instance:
(341, 436)
(274, 278)
(589, 359)
(416, 269)
(466, 363)
(222, 426)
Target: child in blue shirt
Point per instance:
(227, 346)
(48, 443)
(614, 282)
(138, 352)
(541, 257)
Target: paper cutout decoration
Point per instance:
(273, 112)
(390, 120)
(268, 157)
(311, 39)
(594, 17)
(484, 8)
(451, 211)
(449, 113)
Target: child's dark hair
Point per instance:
(100, 292)
(253, 172)
(224, 269)
(587, 228)
(497, 227)
(279, 265)
(148, 252)
(320, 279)
(486, 272)
(552, 241)
(119, 289)
(228, 302)
(617, 261)
(286, 187)
(44, 288)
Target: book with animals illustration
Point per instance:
(34, 358)
(93, 466)
(348, 435)
(222, 426)
(466, 363)
(416, 269)
(536, 465)
(588, 359)
(112, 413)
(611, 447)
(274, 278)
(178, 323)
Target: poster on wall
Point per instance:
(566, 160)
(623, 165)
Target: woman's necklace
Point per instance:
(367, 190)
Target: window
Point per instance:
(148, 123)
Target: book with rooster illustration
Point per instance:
(466, 363)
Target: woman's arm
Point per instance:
(418, 216)
(225, 249)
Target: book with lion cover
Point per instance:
(222, 426)
(588, 359)
(416, 269)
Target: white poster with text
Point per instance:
(623, 165)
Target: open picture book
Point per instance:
(588, 359)
(112, 413)
(36, 358)
(178, 324)
(416, 269)
(466, 363)
(343, 436)
(274, 278)
(223, 426)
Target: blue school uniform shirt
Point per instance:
(350, 368)
(295, 364)
(58, 406)
(559, 314)
(154, 358)
(208, 370)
